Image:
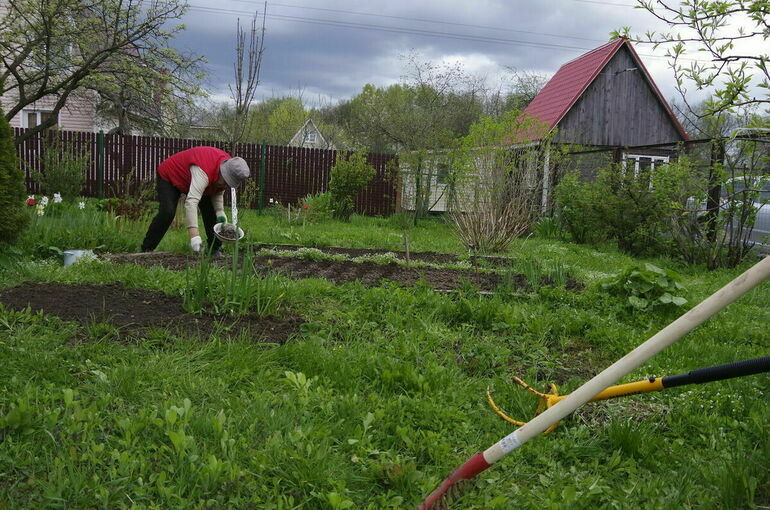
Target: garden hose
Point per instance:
(702, 375)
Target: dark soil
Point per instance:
(431, 257)
(135, 311)
(228, 231)
(369, 273)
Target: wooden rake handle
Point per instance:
(631, 361)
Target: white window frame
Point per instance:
(637, 157)
(310, 137)
(26, 111)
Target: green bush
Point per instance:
(619, 205)
(576, 203)
(14, 218)
(64, 169)
(348, 176)
(316, 207)
(646, 287)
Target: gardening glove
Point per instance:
(196, 243)
(222, 219)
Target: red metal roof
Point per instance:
(573, 78)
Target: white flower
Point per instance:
(271, 200)
(44, 201)
(81, 205)
(57, 198)
(40, 209)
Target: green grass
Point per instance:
(379, 396)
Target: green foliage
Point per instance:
(63, 169)
(349, 175)
(316, 207)
(646, 287)
(576, 203)
(548, 227)
(13, 219)
(737, 78)
(379, 397)
(619, 205)
(237, 292)
(65, 226)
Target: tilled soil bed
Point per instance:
(135, 311)
(368, 273)
(430, 257)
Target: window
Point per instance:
(643, 162)
(310, 138)
(32, 118)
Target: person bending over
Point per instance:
(203, 173)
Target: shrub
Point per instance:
(620, 205)
(646, 287)
(348, 176)
(64, 169)
(14, 218)
(496, 190)
(316, 207)
(575, 202)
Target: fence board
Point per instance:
(291, 173)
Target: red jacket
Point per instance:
(176, 168)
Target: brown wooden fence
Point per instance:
(288, 173)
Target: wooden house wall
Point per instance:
(618, 109)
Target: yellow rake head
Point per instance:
(547, 400)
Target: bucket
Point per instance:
(72, 256)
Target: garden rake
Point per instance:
(442, 496)
(702, 375)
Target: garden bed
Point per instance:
(430, 257)
(137, 311)
(344, 271)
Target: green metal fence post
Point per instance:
(260, 203)
(100, 164)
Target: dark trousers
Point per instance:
(168, 197)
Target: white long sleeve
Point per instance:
(198, 185)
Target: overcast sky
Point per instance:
(329, 49)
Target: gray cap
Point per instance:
(234, 171)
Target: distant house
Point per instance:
(606, 100)
(309, 136)
(78, 114)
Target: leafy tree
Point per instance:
(285, 120)
(12, 189)
(717, 31)
(53, 48)
(349, 175)
(147, 92)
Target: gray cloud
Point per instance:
(328, 48)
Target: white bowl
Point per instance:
(218, 229)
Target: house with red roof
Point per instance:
(606, 100)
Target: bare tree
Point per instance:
(246, 68)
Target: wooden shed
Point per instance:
(606, 98)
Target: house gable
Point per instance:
(606, 97)
(619, 108)
(309, 136)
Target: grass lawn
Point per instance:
(379, 394)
